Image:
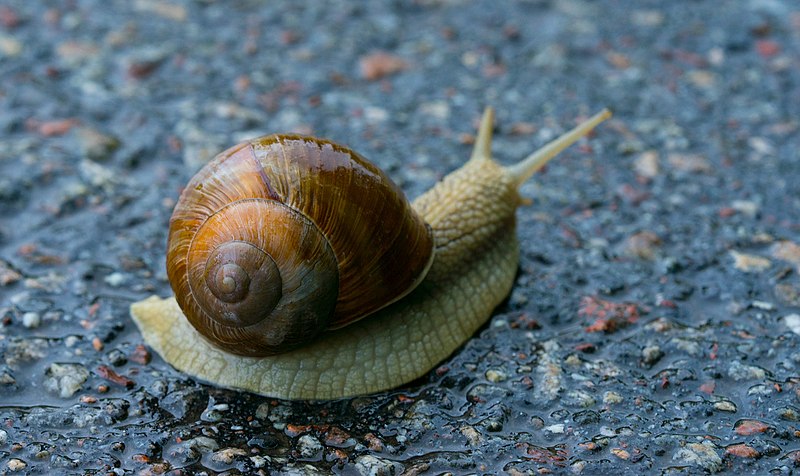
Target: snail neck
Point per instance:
(467, 211)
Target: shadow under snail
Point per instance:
(282, 239)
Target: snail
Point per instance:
(375, 306)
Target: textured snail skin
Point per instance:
(471, 213)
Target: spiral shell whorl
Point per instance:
(230, 274)
(245, 279)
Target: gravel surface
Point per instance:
(655, 321)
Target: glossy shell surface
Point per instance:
(284, 236)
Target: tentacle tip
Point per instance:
(483, 143)
(488, 115)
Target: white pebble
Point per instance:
(309, 446)
(725, 406)
(31, 320)
(792, 321)
(115, 279)
(71, 341)
(557, 428)
(767, 306)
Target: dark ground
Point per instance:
(654, 324)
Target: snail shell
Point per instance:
(282, 237)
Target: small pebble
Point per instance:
(374, 443)
(380, 64)
(787, 251)
(749, 263)
(651, 354)
(725, 406)
(6, 377)
(263, 411)
(65, 379)
(792, 321)
(699, 454)
(739, 371)
(760, 389)
(750, 427)
(742, 451)
(472, 435)
(259, 461)
(16, 464)
(646, 165)
(309, 446)
(3, 437)
(31, 320)
(227, 455)
(745, 207)
(789, 413)
(577, 467)
(493, 424)
(71, 341)
(116, 358)
(608, 432)
(621, 453)
(612, 398)
(555, 429)
(369, 465)
(141, 355)
(766, 306)
(496, 375)
(214, 413)
(203, 444)
(211, 415)
(115, 279)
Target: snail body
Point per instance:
(470, 216)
